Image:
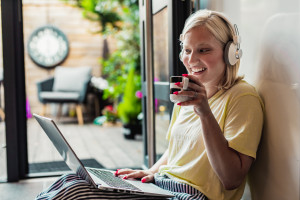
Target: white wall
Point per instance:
(270, 31)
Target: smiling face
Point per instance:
(203, 56)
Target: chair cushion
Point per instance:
(60, 96)
(71, 79)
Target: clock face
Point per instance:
(48, 46)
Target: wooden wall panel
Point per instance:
(85, 46)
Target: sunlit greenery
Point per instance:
(120, 19)
(130, 107)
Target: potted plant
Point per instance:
(130, 106)
(110, 113)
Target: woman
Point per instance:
(213, 137)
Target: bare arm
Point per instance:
(162, 161)
(230, 165)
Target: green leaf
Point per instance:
(130, 106)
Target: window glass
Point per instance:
(161, 73)
(97, 146)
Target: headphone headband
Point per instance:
(232, 52)
(233, 27)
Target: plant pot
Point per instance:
(130, 130)
(109, 124)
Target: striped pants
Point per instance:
(70, 186)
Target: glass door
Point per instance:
(162, 105)
(161, 24)
(97, 143)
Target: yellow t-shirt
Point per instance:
(239, 112)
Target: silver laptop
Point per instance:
(99, 178)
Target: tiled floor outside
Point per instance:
(106, 145)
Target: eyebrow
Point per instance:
(199, 45)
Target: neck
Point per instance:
(211, 90)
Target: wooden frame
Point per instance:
(178, 11)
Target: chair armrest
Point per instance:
(84, 91)
(44, 85)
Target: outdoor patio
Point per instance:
(104, 146)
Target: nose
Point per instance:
(193, 58)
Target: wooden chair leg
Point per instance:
(59, 111)
(79, 114)
(43, 113)
(2, 114)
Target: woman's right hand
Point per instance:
(144, 175)
(198, 96)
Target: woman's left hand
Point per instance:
(144, 175)
(197, 92)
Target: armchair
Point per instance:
(69, 85)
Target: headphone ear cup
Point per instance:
(229, 53)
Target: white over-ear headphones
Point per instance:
(232, 51)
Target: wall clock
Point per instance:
(48, 46)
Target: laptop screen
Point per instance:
(63, 147)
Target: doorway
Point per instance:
(161, 25)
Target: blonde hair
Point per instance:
(221, 28)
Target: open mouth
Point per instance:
(198, 70)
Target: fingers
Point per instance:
(136, 174)
(194, 84)
(148, 179)
(193, 94)
(144, 175)
(192, 87)
(129, 173)
(124, 171)
(194, 80)
(198, 99)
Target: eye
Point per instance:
(187, 51)
(203, 50)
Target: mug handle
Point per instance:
(185, 81)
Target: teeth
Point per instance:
(198, 70)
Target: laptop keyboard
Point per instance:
(112, 180)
